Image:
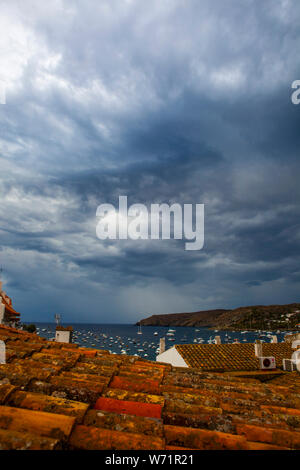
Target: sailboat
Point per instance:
(140, 330)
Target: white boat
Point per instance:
(140, 330)
(155, 333)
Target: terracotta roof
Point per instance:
(60, 396)
(230, 357)
(64, 328)
(8, 308)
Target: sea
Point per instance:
(125, 339)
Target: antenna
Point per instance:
(57, 318)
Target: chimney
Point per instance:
(218, 339)
(296, 359)
(274, 339)
(2, 353)
(2, 312)
(162, 345)
(290, 337)
(258, 348)
(63, 334)
(295, 344)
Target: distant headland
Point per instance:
(257, 317)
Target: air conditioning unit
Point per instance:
(267, 363)
(289, 365)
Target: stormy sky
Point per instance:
(162, 101)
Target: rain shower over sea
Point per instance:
(129, 339)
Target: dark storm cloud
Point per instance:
(162, 102)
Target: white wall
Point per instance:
(172, 356)
(2, 353)
(63, 336)
(2, 311)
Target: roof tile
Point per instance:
(39, 402)
(203, 439)
(92, 438)
(134, 396)
(230, 357)
(74, 389)
(123, 422)
(280, 410)
(129, 407)
(141, 385)
(16, 440)
(179, 406)
(37, 422)
(82, 368)
(96, 379)
(272, 436)
(5, 391)
(59, 360)
(260, 446)
(21, 375)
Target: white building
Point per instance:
(8, 315)
(63, 334)
(172, 356)
(227, 357)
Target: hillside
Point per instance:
(202, 318)
(252, 317)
